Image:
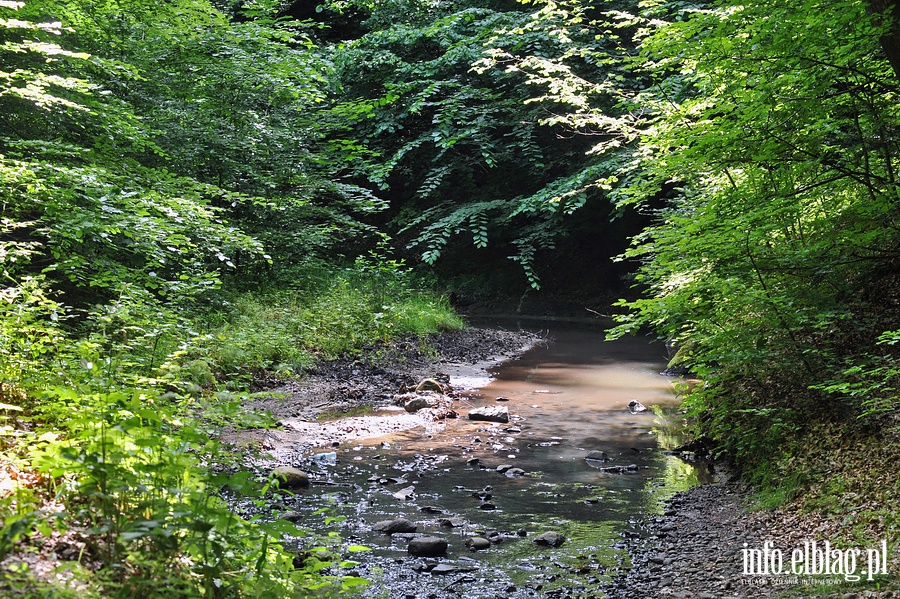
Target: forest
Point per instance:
(201, 194)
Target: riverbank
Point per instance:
(709, 541)
(337, 400)
(695, 549)
(490, 490)
(374, 374)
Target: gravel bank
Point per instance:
(697, 550)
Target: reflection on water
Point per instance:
(566, 399)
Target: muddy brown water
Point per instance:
(566, 399)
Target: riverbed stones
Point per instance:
(697, 549)
(289, 477)
(431, 385)
(549, 539)
(478, 543)
(428, 547)
(490, 414)
(444, 569)
(398, 525)
(636, 407)
(514, 472)
(421, 401)
(597, 456)
(405, 494)
(619, 469)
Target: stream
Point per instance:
(566, 399)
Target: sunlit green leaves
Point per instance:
(467, 141)
(772, 130)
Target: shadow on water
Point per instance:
(566, 399)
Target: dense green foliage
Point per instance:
(774, 261)
(158, 161)
(155, 160)
(461, 135)
(761, 141)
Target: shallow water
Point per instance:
(566, 399)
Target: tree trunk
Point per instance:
(890, 41)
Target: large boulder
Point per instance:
(399, 525)
(428, 547)
(289, 477)
(490, 414)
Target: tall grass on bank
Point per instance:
(108, 429)
(285, 331)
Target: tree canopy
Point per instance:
(160, 159)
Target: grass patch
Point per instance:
(283, 332)
(784, 491)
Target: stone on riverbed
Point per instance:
(549, 539)
(420, 402)
(598, 456)
(290, 478)
(290, 516)
(619, 469)
(451, 522)
(490, 414)
(390, 527)
(634, 406)
(427, 547)
(427, 404)
(406, 493)
(432, 385)
(478, 543)
(443, 569)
